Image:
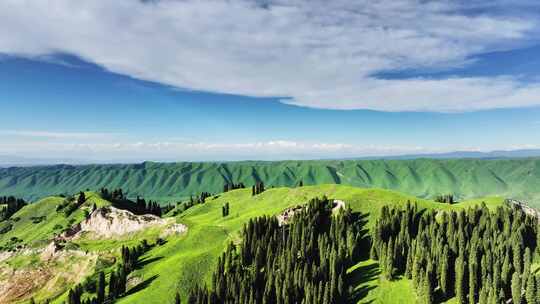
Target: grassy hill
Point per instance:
(185, 260)
(465, 178)
(37, 223)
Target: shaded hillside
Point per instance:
(466, 178)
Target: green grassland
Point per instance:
(189, 259)
(426, 178)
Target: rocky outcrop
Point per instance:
(286, 216)
(108, 222)
(524, 207)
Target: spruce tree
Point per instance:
(516, 288)
(112, 286)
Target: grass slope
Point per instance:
(188, 260)
(37, 234)
(466, 178)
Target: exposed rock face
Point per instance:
(49, 251)
(525, 207)
(108, 222)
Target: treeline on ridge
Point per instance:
(9, 205)
(139, 206)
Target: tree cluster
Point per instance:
(258, 188)
(11, 206)
(477, 255)
(232, 186)
(115, 195)
(303, 262)
(117, 279)
(142, 207)
(139, 206)
(446, 199)
(70, 204)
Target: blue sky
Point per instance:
(283, 81)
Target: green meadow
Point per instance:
(189, 259)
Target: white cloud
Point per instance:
(277, 149)
(316, 53)
(197, 151)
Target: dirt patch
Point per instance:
(57, 269)
(22, 283)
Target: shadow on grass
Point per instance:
(146, 261)
(142, 285)
(360, 277)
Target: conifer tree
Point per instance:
(530, 291)
(112, 286)
(516, 288)
(101, 288)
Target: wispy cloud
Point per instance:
(57, 135)
(318, 53)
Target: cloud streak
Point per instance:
(320, 54)
(57, 135)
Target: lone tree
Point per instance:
(225, 210)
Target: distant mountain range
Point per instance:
(468, 154)
(13, 161)
(517, 178)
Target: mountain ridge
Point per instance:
(465, 178)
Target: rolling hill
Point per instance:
(426, 178)
(186, 259)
